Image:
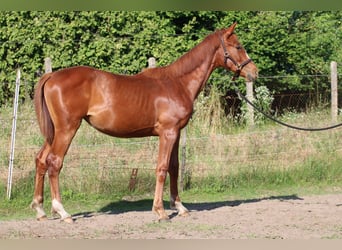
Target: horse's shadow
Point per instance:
(146, 205)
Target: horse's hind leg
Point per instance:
(175, 202)
(59, 147)
(41, 168)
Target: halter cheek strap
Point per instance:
(237, 65)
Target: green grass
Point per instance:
(314, 177)
(312, 173)
(225, 163)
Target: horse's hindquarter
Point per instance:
(67, 94)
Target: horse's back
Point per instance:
(76, 75)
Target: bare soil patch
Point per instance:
(283, 217)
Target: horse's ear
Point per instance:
(230, 30)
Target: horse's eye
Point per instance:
(238, 47)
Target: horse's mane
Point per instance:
(186, 62)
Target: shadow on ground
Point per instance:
(146, 205)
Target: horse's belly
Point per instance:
(122, 125)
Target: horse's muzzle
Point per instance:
(252, 76)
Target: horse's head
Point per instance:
(234, 57)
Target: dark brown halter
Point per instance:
(237, 65)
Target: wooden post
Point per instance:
(250, 110)
(334, 97)
(48, 65)
(151, 62)
(133, 179)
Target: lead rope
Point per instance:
(241, 96)
(237, 74)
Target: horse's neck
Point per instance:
(194, 68)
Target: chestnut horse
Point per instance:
(156, 102)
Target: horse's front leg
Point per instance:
(175, 202)
(167, 140)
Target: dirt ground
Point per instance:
(283, 217)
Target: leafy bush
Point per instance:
(285, 43)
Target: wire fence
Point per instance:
(201, 153)
(209, 154)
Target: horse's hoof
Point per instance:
(184, 214)
(68, 220)
(42, 218)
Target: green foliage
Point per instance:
(281, 43)
(263, 100)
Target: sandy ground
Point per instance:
(283, 217)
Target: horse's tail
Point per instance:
(43, 115)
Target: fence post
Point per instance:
(334, 97)
(151, 62)
(14, 127)
(250, 110)
(48, 65)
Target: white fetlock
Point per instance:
(41, 215)
(57, 207)
(182, 211)
(177, 205)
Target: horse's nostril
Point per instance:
(252, 77)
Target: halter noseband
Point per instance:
(237, 65)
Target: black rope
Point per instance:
(278, 121)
